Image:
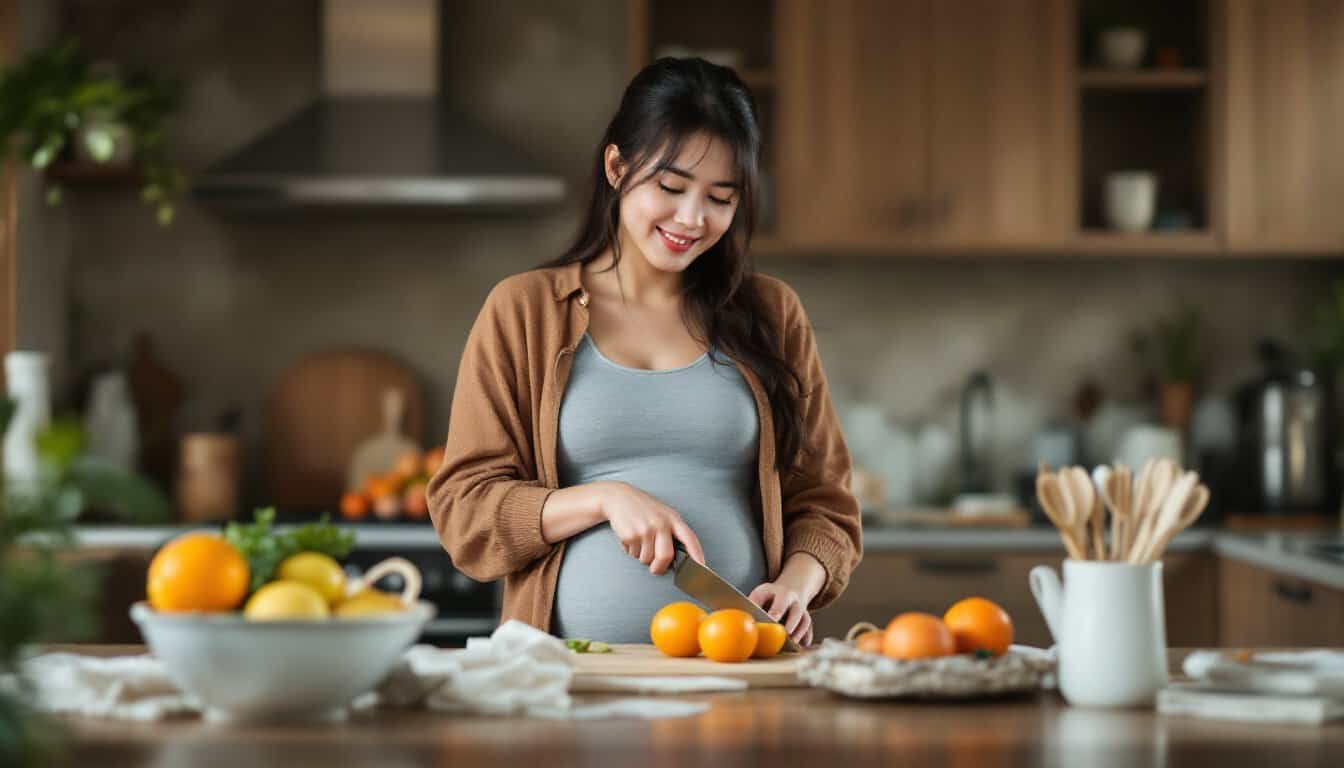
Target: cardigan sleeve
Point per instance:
(485, 500)
(821, 514)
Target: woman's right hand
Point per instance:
(647, 527)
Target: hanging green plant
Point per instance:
(56, 109)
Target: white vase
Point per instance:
(1131, 200)
(28, 386)
(110, 423)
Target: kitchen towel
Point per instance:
(517, 670)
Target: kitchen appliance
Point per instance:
(1292, 443)
(1284, 426)
(317, 414)
(703, 584)
(381, 133)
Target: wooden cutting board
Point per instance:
(319, 410)
(647, 661)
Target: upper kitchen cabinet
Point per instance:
(1285, 108)
(923, 124)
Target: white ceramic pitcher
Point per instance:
(1110, 630)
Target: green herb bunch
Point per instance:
(264, 549)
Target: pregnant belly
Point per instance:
(605, 594)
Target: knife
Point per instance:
(710, 588)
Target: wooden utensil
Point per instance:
(318, 412)
(1084, 498)
(1123, 481)
(1048, 493)
(1108, 489)
(1160, 480)
(1166, 517)
(1192, 506)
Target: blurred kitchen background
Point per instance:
(1027, 230)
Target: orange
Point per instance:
(380, 486)
(407, 465)
(197, 571)
(433, 460)
(728, 635)
(979, 625)
(769, 641)
(918, 636)
(413, 500)
(354, 505)
(674, 628)
(870, 641)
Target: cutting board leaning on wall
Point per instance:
(319, 410)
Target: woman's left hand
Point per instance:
(787, 605)
(787, 597)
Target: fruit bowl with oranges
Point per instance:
(966, 653)
(301, 646)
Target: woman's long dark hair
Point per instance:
(667, 103)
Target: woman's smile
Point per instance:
(675, 243)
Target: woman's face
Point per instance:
(683, 210)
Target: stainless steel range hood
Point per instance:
(381, 134)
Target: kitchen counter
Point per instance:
(768, 727)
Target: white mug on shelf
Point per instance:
(1131, 200)
(1110, 633)
(1123, 47)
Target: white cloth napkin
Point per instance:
(517, 670)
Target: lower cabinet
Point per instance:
(888, 583)
(1261, 608)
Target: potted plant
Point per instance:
(1172, 352)
(56, 107)
(43, 598)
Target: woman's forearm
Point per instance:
(805, 573)
(571, 511)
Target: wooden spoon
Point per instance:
(1047, 490)
(1166, 518)
(1124, 491)
(1160, 479)
(1192, 507)
(1084, 498)
(1138, 510)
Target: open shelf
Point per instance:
(1154, 241)
(1144, 79)
(93, 173)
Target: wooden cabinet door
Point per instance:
(1263, 609)
(853, 92)
(1285, 110)
(1001, 111)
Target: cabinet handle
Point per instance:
(985, 565)
(1298, 593)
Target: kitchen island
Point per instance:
(766, 727)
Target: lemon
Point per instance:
(316, 570)
(286, 600)
(369, 602)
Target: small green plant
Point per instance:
(55, 98)
(265, 549)
(1172, 347)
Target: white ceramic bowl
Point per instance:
(277, 670)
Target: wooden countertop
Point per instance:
(768, 727)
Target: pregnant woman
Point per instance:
(648, 387)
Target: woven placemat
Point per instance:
(840, 667)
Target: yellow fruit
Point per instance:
(769, 640)
(369, 602)
(285, 600)
(318, 571)
(197, 571)
(674, 628)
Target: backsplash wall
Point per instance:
(232, 299)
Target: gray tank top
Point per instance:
(688, 437)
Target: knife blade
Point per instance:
(703, 584)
